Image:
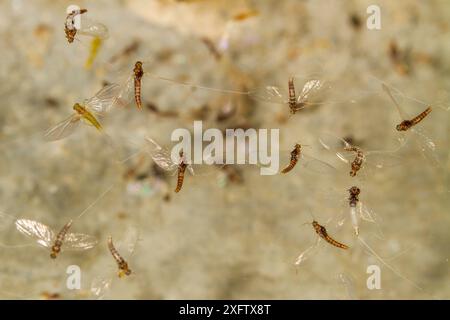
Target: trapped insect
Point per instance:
(138, 74)
(46, 237)
(322, 232)
(91, 110)
(124, 270)
(101, 285)
(357, 157)
(69, 26)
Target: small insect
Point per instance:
(353, 201)
(295, 155)
(124, 270)
(89, 111)
(357, 157)
(409, 124)
(46, 237)
(163, 159)
(358, 210)
(181, 170)
(358, 161)
(312, 90)
(102, 284)
(322, 232)
(69, 26)
(138, 74)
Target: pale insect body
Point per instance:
(69, 26)
(121, 254)
(350, 205)
(47, 237)
(411, 124)
(86, 27)
(91, 110)
(358, 158)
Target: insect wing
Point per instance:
(382, 159)
(93, 28)
(315, 165)
(161, 156)
(63, 129)
(270, 94)
(100, 286)
(309, 252)
(79, 241)
(310, 90)
(104, 100)
(396, 97)
(36, 230)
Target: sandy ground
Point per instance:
(219, 239)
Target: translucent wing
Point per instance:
(333, 143)
(310, 90)
(36, 230)
(269, 94)
(309, 252)
(93, 28)
(104, 99)
(315, 165)
(100, 286)
(79, 241)
(382, 159)
(366, 214)
(390, 91)
(161, 156)
(63, 129)
(128, 244)
(427, 146)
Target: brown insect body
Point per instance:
(359, 159)
(322, 232)
(69, 27)
(292, 97)
(181, 170)
(138, 74)
(121, 263)
(353, 198)
(295, 155)
(407, 124)
(56, 248)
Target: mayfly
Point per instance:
(101, 285)
(86, 26)
(70, 27)
(356, 156)
(124, 270)
(312, 90)
(163, 159)
(46, 237)
(308, 162)
(409, 124)
(351, 205)
(90, 111)
(138, 74)
(322, 234)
